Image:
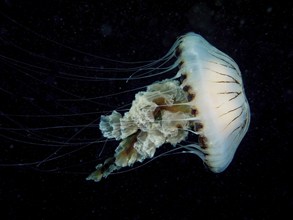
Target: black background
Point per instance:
(257, 34)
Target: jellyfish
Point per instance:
(205, 98)
(195, 91)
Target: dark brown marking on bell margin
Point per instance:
(190, 97)
(202, 140)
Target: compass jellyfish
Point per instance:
(205, 98)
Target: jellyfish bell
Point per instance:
(209, 101)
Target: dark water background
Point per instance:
(257, 34)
